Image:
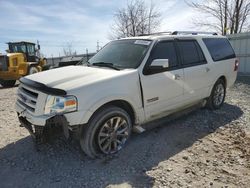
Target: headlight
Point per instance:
(57, 105)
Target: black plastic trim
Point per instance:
(42, 87)
(141, 89)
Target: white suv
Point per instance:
(129, 82)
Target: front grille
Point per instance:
(3, 63)
(27, 98)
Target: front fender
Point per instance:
(98, 104)
(139, 111)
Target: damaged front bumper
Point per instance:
(42, 127)
(53, 125)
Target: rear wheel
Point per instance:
(217, 97)
(106, 133)
(8, 83)
(33, 70)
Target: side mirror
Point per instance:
(157, 66)
(159, 63)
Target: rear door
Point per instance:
(196, 70)
(162, 90)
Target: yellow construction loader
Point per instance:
(22, 59)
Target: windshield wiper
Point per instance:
(103, 64)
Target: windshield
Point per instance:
(21, 48)
(122, 53)
(14, 48)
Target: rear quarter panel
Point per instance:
(218, 69)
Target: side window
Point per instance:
(31, 50)
(219, 48)
(191, 53)
(165, 50)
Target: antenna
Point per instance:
(38, 49)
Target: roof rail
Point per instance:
(193, 33)
(158, 33)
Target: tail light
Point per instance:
(236, 65)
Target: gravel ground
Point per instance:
(202, 149)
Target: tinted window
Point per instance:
(165, 50)
(191, 53)
(15, 47)
(219, 48)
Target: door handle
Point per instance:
(207, 69)
(177, 77)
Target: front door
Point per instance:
(162, 90)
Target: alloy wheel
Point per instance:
(113, 135)
(219, 94)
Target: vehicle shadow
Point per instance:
(62, 164)
(1, 87)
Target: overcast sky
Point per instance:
(58, 22)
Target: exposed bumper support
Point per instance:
(43, 133)
(27, 125)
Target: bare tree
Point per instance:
(226, 16)
(68, 50)
(135, 19)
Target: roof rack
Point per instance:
(158, 33)
(193, 33)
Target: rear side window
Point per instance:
(165, 50)
(191, 53)
(219, 48)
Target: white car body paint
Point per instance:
(161, 93)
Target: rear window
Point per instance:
(219, 48)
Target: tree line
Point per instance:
(139, 18)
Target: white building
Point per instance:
(241, 45)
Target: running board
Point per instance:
(173, 116)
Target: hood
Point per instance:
(72, 77)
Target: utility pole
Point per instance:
(53, 60)
(97, 47)
(87, 54)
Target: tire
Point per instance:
(217, 96)
(33, 70)
(8, 83)
(106, 133)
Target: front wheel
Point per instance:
(217, 97)
(33, 70)
(106, 133)
(8, 83)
